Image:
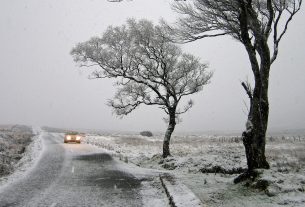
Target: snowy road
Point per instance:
(73, 175)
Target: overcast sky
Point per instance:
(41, 85)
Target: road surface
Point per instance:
(73, 175)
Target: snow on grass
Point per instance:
(189, 154)
(28, 160)
(219, 190)
(204, 163)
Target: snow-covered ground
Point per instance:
(208, 164)
(28, 158)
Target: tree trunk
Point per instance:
(254, 138)
(254, 142)
(168, 134)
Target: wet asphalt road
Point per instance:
(73, 175)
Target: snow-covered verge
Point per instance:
(23, 143)
(152, 193)
(178, 193)
(208, 164)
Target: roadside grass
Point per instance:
(13, 142)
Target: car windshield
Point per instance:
(72, 133)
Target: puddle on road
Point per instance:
(97, 157)
(98, 170)
(111, 178)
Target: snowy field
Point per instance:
(207, 165)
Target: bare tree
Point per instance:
(260, 26)
(149, 70)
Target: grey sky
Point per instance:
(41, 85)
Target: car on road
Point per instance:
(73, 137)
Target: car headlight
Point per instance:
(78, 137)
(68, 137)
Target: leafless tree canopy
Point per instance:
(210, 18)
(149, 68)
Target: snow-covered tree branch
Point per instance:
(150, 69)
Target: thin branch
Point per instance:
(248, 90)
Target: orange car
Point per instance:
(72, 137)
